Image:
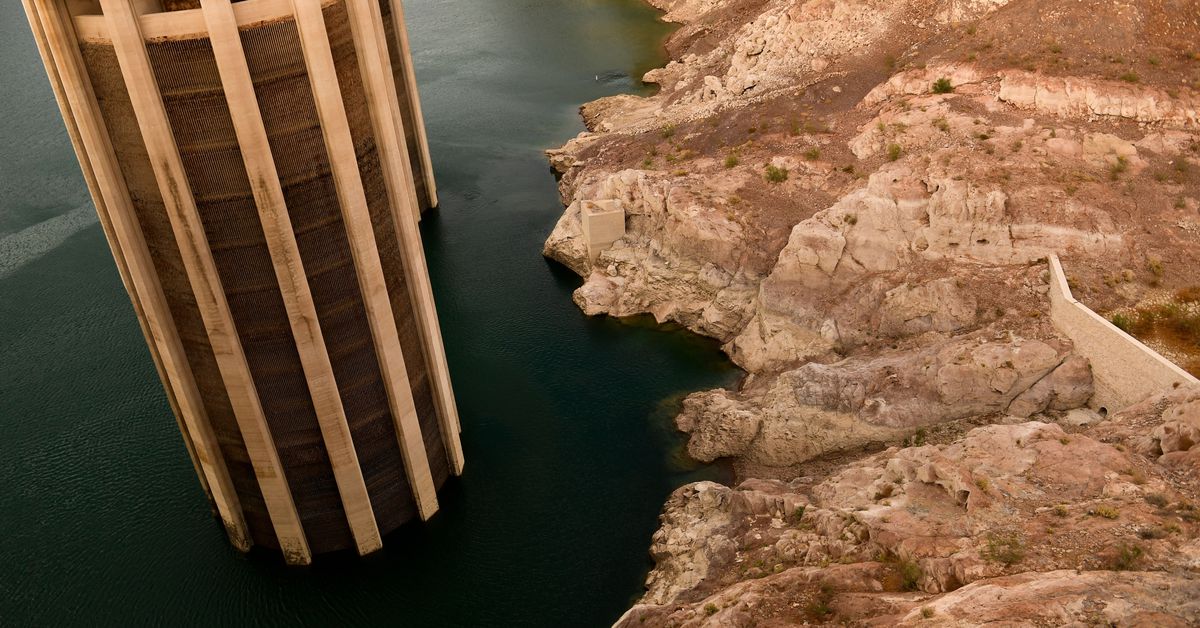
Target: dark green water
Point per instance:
(568, 454)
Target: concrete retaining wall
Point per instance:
(1125, 370)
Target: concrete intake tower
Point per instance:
(259, 169)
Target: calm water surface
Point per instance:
(568, 454)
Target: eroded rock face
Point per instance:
(855, 197)
(1090, 98)
(683, 259)
(898, 221)
(1064, 597)
(1023, 522)
(1165, 429)
(817, 408)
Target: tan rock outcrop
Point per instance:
(1091, 98)
(1001, 515)
(817, 409)
(869, 251)
(1063, 597)
(683, 258)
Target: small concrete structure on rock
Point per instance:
(603, 224)
(1125, 371)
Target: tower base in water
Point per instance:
(259, 169)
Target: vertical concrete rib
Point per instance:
(202, 274)
(322, 74)
(367, 24)
(410, 234)
(89, 177)
(53, 29)
(289, 270)
(410, 78)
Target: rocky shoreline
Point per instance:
(857, 198)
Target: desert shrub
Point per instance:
(1118, 167)
(1152, 532)
(893, 151)
(1007, 548)
(1137, 476)
(910, 575)
(1180, 322)
(1191, 294)
(775, 174)
(1127, 557)
(819, 608)
(942, 86)
(731, 161)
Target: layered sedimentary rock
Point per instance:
(1028, 522)
(857, 198)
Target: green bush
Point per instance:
(1118, 168)
(942, 86)
(1007, 548)
(910, 575)
(1127, 557)
(776, 174)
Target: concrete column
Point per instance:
(55, 35)
(89, 177)
(339, 144)
(202, 274)
(414, 97)
(371, 49)
(289, 270)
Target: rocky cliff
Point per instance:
(856, 197)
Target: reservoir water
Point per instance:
(566, 419)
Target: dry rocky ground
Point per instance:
(857, 197)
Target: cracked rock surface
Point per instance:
(856, 197)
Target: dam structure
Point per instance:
(259, 168)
